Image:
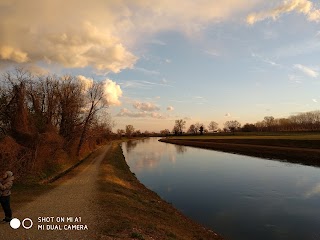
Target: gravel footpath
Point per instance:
(74, 197)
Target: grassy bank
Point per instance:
(301, 148)
(134, 212)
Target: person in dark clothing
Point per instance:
(6, 183)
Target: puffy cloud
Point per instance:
(10, 53)
(301, 6)
(112, 92)
(124, 112)
(85, 82)
(35, 31)
(170, 108)
(96, 33)
(315, 100)
(227, 115)
(307, 70)
(149, 107)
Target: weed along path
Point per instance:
(69, 211)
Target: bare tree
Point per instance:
(213, 126)
(192, 129)
(232, 125)
(165, 132)
(129, 130)
(120, 132)
(70, 106)
(179, 126)
(95, 98)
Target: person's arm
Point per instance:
(6, 186)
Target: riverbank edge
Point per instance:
(136, 212)
(305, 156)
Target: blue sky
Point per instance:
(197, 60)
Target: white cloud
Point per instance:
(301, 6)
(170, 108)
(315, 100)
(212, 52)
(227, 115)
(266, 60)
(100, 34)
(85, 82)
(146, 106)
(295, 78)
(112, 92)
(80, 41)
(124, 112)
(307, 70)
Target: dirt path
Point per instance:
(73, 197)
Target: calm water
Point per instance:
(238, 196)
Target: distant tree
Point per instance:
(213, 126)
(198, 126)
(165, 132)
(192, 129)
(179, 126)
(201, 130)
(129, 130)
(248, 127)
(232, 125)
(137, 133)
(146, 133)
(120, 132)
(269, 122)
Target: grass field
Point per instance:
(301, 148)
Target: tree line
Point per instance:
(35, 106)
(307, 121)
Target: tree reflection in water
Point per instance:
(180, 149)
(130, 145)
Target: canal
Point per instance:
(239, 197)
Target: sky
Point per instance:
(201, 60)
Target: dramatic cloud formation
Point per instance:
(95, 33)
(52, 32)
(308, 71)
(149, 107)
(301, 6)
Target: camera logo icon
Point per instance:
(26, 223)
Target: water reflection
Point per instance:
(181, 149)
(313, 192)
(130, 145)
(240, 197)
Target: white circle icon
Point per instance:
(23, 223)
(15, 223)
